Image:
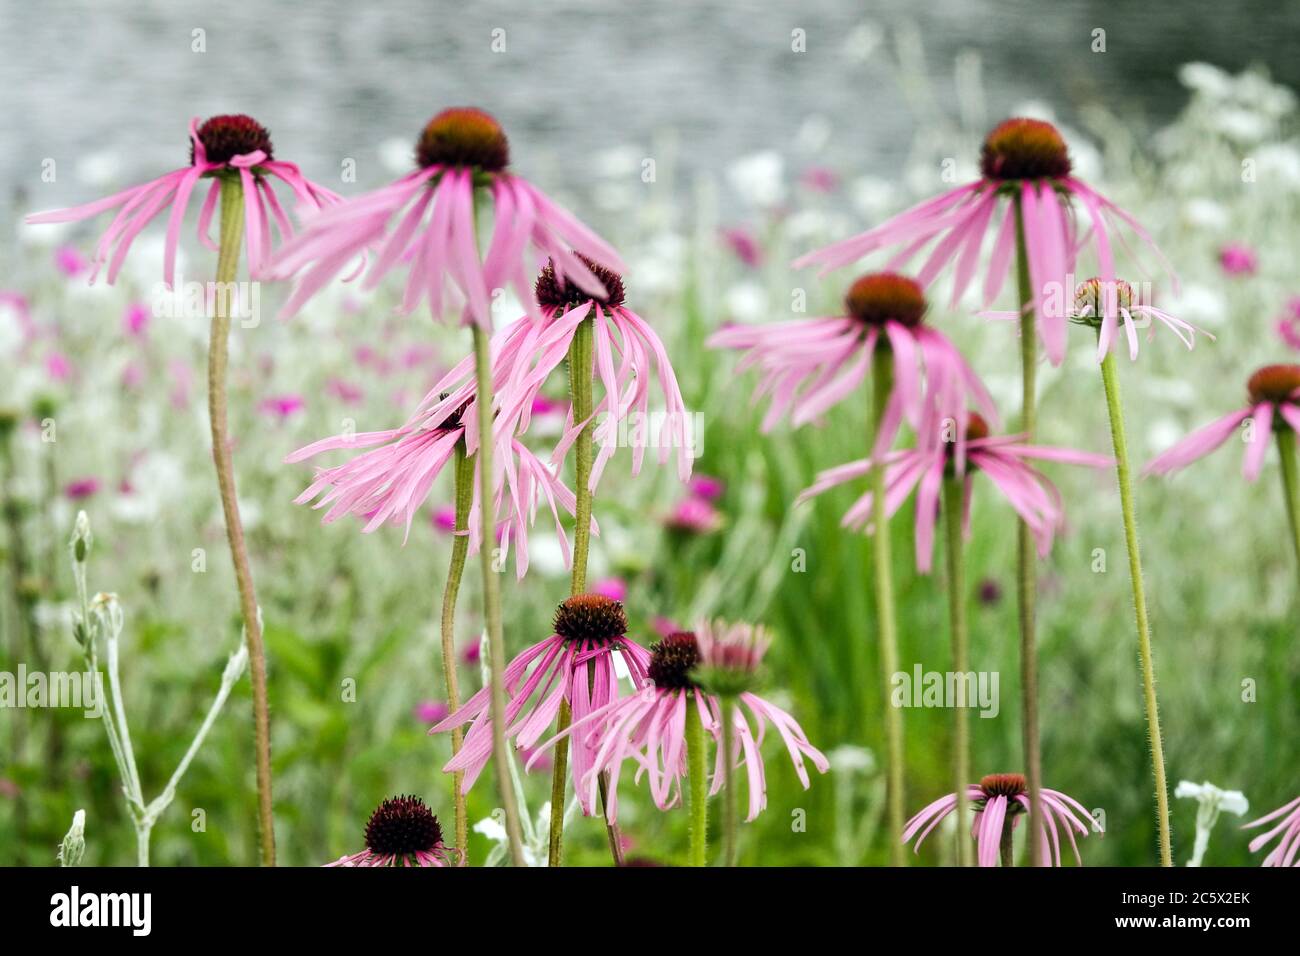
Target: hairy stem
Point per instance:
(232, 231)
(1290, 485)
(953, 494)
(492, 593)
(1123, 473)
(882, 378)
(580, 396)
(1026, 555)
(697, 785)
(464, 490)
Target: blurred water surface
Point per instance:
(111, 86)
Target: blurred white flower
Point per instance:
(100, 168)
(1205, 213)
(1199, 304)
(759, 178)
(396, 155)
(1212, 801)
(747, 302)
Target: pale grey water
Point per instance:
(332, 79)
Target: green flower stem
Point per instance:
(730, 816)
(1290, 485)
(882, 378)
(492, 593)
(953, 494)
(232, 236)
(1006, 846)
(464, 485)
(580, 395)
(697, 785)
(1026, 554)
(1123, 473)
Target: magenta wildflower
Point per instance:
(430, 711)
(693, 515)
(58, 366)
(1238, 259)
(282, 407)
(69, 261)
(426, 223)
(1287, 851)
(1025, 162)
(1288, 326)
(574, 664)
(229, 145)
(649, 727)
(743, 246)
(809, 365)
(706, 487)
(403, 832)
(1000, 800)
(613, 588)
(135, 321)
(1274, 393)
(81, 488)
(391, 481)
(1003, 458)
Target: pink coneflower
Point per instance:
(69, 261)
(1102, 306)
(1288, 326)
(1287, 851)
(223, 146)
(693, 515)
(649, 728)
(1274, 393)
(392, 480)
(809, 365)
(282, 407)
(403, 832)
(1238, 259)
(1000, 800)
(1025, 162)
(426, 222)
(1002, 458)
(81, 488)
(627, 355)
(575, 664)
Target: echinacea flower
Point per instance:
(1274, 394)
(526, 352)
(999, 801)
(403, 832)
(1101, 306)
(649, 727)
(809, 365)
(426, 222)
(1287, 851)
(1003, 458)
(574, 664)
(223, 146)
(1026, 163)
(390, 481)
